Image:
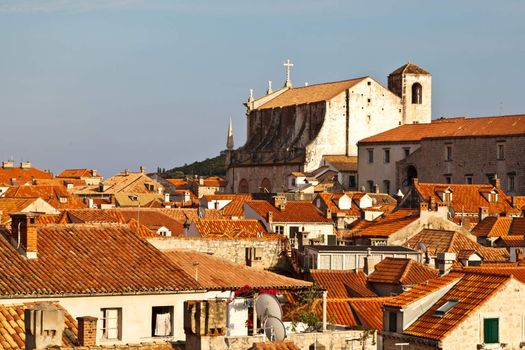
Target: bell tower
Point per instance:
(414, 86)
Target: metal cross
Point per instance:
(288, 65)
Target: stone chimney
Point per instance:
(280, 201)
(376, 188)
(142, 169)
(24, 234)
(269, 217)
(444, 262)
(423, 206)
(9, 164)
(328, 213)
(44, 323)
(369, 262)
(87, 331)
(496, 182)
(25, 165)
(483, 213)
(126, 172)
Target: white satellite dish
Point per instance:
(274, 329)
(268, 305)
(421, 246)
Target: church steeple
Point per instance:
(229, 140)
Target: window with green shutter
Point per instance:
(491, 330)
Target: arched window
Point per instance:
(266, 185)
(417, 93)
(411, 174)
(244, 187)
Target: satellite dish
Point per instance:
(267, 305)
(274, 329)
(421, 246)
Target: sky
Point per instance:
(116, 84)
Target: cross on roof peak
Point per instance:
(288, 66)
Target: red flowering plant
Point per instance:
(247, 291)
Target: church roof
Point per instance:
(409, 68)
(311, 93)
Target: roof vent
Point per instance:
(442, 310)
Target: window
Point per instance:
(501, 152)
(351, 181)
(406, 151)
(112, 323)
(294, 232)
(511, 183)
(448, 153)
(279, 229)
(370, 185)
(392, 321)
(161, 321)
(386, 186)
(491, 330)
(369, 100)
(387, 155)
(370, 155)
(468, 179)
(417, 94)
(448, 179)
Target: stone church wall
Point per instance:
(254, 176)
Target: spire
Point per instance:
(288, 66)
(250, 98)
(229, 141)
(269, 91)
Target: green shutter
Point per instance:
(491, 330)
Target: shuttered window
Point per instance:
(491, 330)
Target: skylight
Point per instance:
(441, 311)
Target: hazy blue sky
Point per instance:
(118, 83)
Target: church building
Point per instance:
(293, 129)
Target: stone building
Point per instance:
(295, 129)
(454, 150)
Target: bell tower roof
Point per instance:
(409, 68)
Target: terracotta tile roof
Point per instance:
(181, 214)
(517, 271)
(153, 220)
(233, 209)
(338, 311)
(22, 175)
(61, 182)
(214, 181)
(79, 253)
(369, 311)
(342, 283)
(135, 183)
(385, 225)
(78, 173)
(57, 196)
(45, 219)
(12, 327)
(342, 163)
(329, 200)
(409, 68)
(423, 289)
(401, 271)
(473, 290)
(294, 211)
(513, 241)
(242, 228)
(500, 226)
(180, 184)
(92, 216)
(519, 202)
(275, 345)
(13, 205)
(443, 241)
(219, 274)
(467, 198)
(310, 93)
(452, 127)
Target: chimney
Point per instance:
(25, 165)
(496, 182)
(369, 264)
(94, 173)
(8, 164)
(483, 213)
(166, 197)
(444, 262)
(269, 217)
(423, 206)
(432, 203)
(24, 234)
(87, 331)
(280, 201)
(44, 323)
(328, 213)
(376, 188)
(126, 172)
(142, 169)
(186, 197)
(201, 181)
(90, 203)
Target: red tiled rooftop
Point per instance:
(231, 228)
(294, 211)
(342, 283)
(401, 271)
(385, 225)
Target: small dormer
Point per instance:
(445, 194)
(344, 202)
(490, 196)
(365, 202)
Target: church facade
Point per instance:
(293, 129)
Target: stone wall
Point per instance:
(332, 340)
(230, 249)
(475, 157)
(255, 175)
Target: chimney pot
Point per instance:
(444, 262)
(483, 213)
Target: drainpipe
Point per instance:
(324, 309)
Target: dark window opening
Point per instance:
(161, 321)
(387, 155)
(417, 93)
(392, 322)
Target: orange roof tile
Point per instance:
(338, 311)
(329, 201)
(180, 184)
(22, 175)
(401, 271)
(517, 271)
(342, 283)
(473, 290)
(467, 198)
(275, 345)
(500, 227)
(513, 241)
(79, 253)
(78, 173)
(443, 241)
(242, 228)
(13, 205)
(452, 127)
(233, 209)
(91, 216)
(342, 163)
(294, 211)
(216, 273)
(369, 311)
(311, 93)
(57, 196)
(385, 225)
(154, 220)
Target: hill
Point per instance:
(208, 167)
